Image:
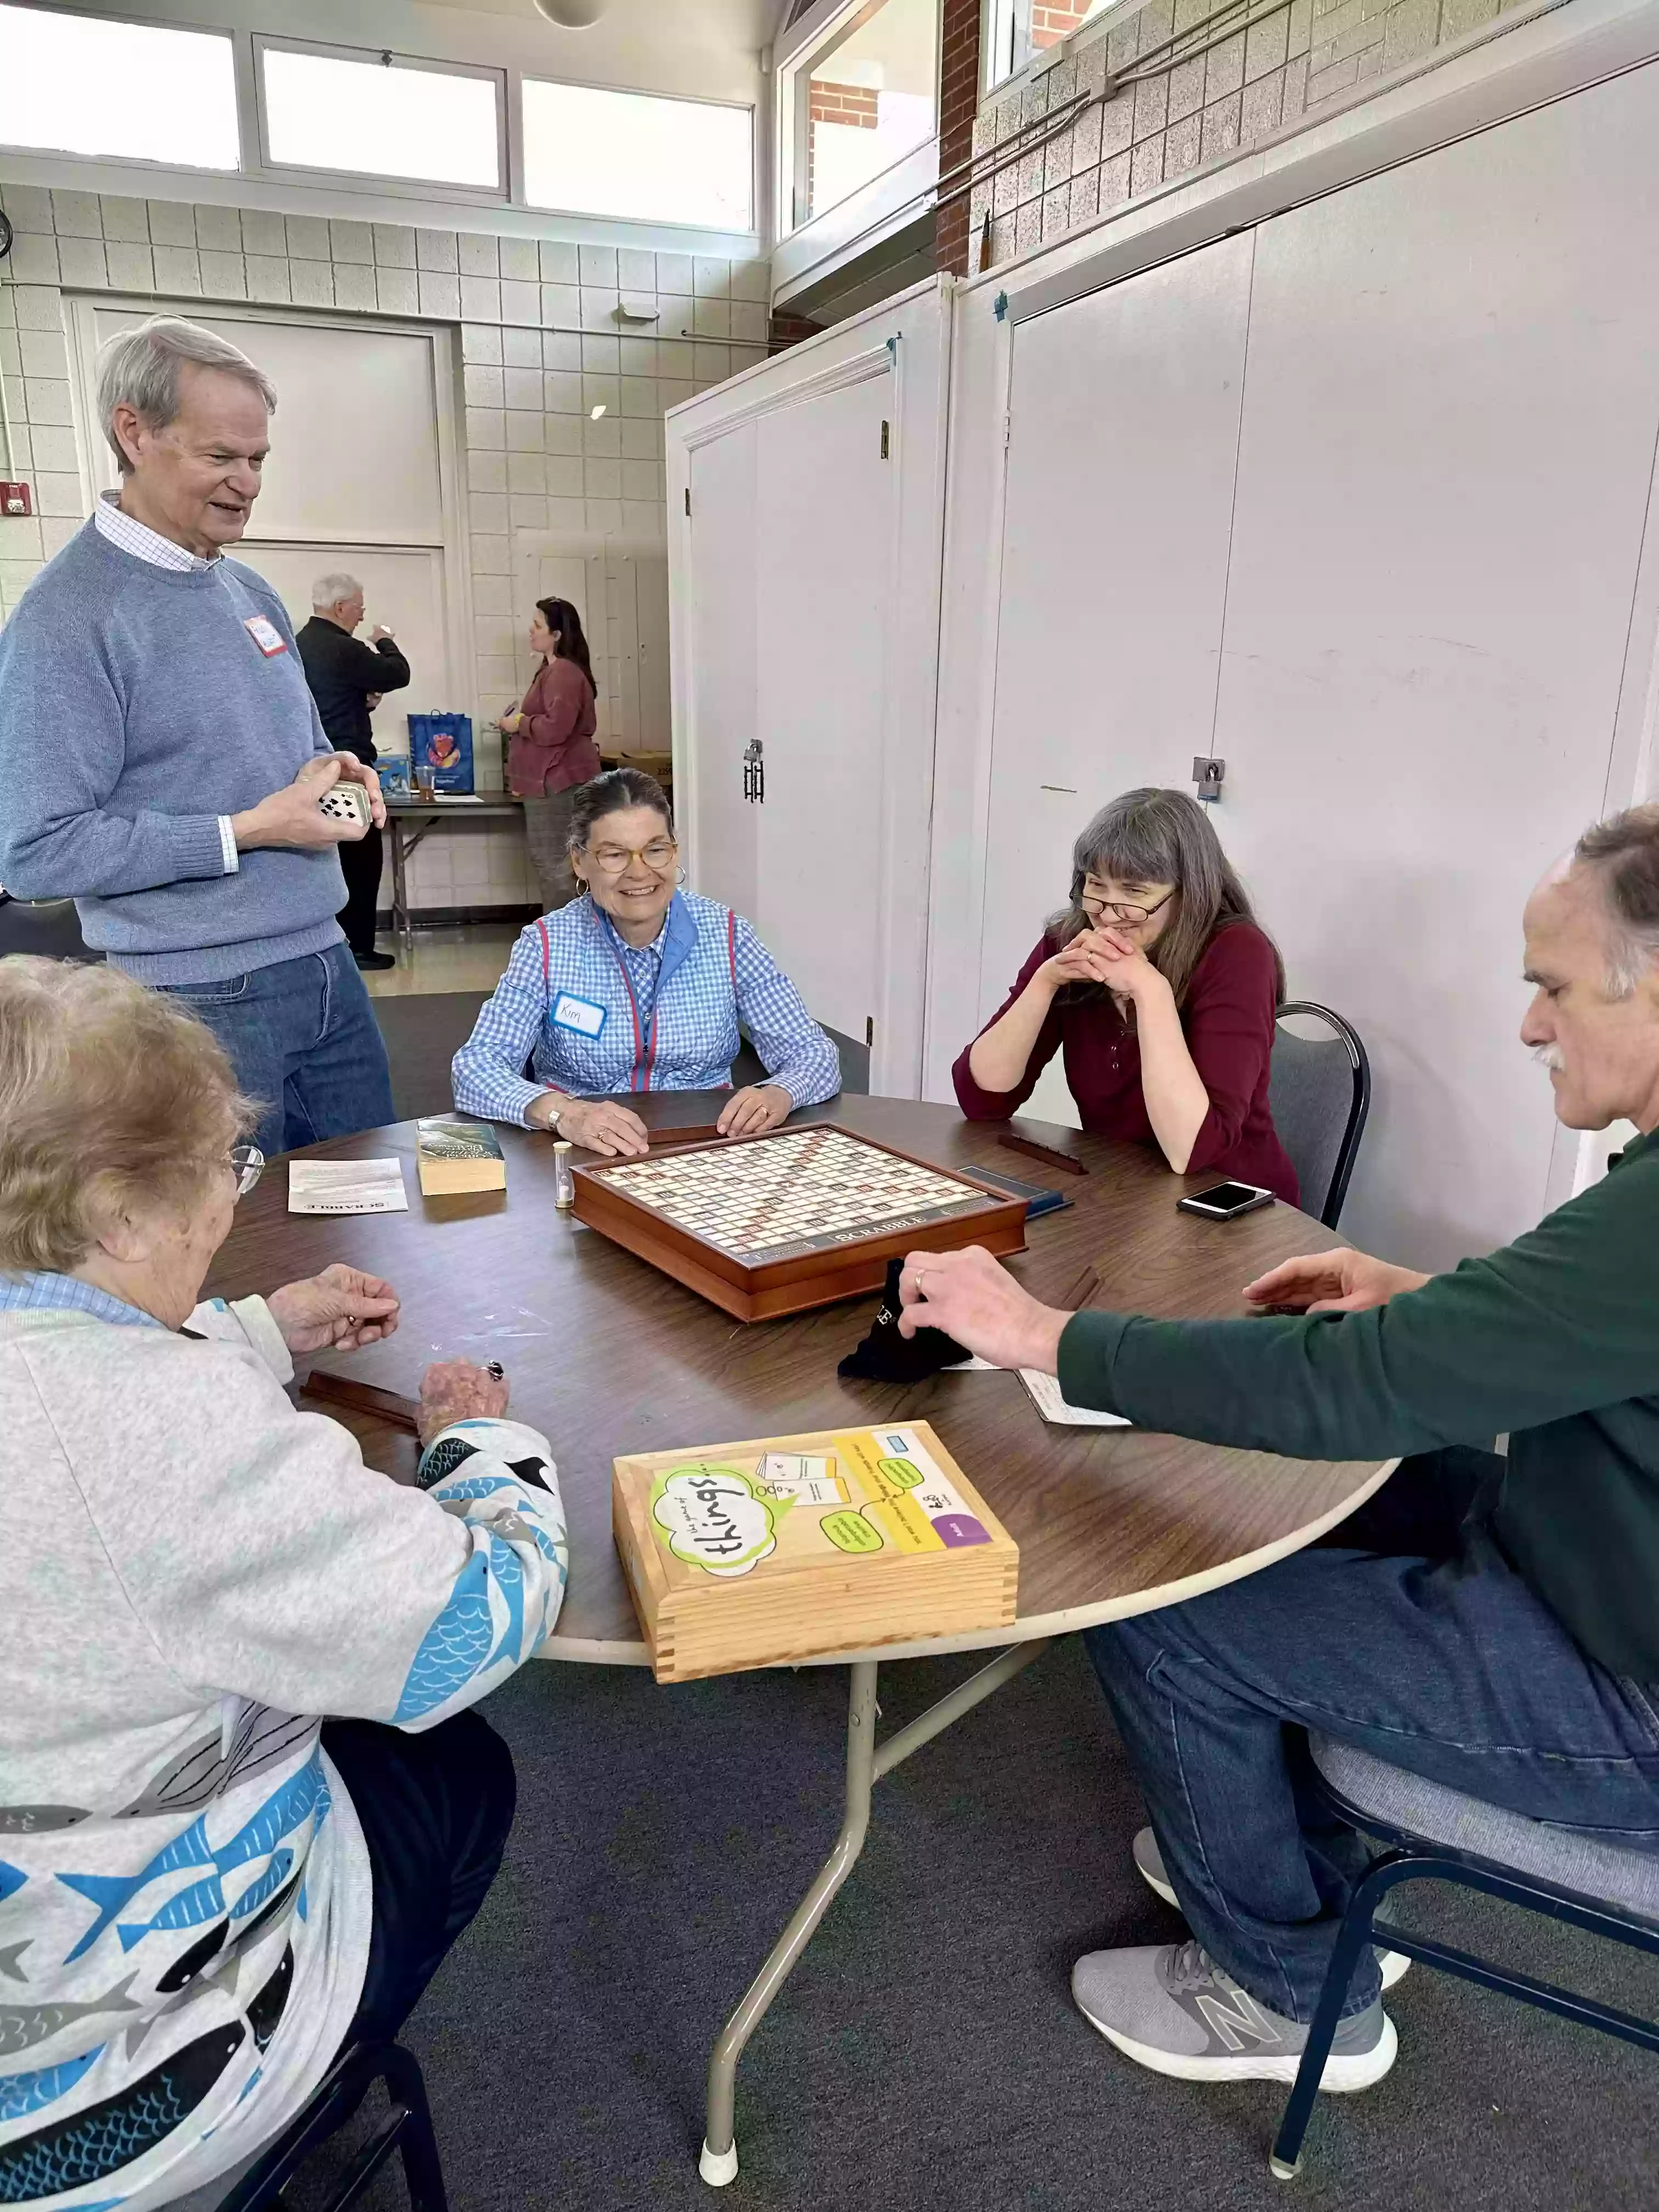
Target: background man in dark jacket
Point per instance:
(347, 679)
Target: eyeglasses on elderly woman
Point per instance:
(247, 1164)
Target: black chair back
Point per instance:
(1320, 1089)
(51, 927)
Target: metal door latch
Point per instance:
(754, 774)
(1209, 775)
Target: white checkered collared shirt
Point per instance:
(144, 543)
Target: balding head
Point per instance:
(1592, 931)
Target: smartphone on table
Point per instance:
(1225, 1201)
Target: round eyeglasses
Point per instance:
(659, 856)
(247, 1164)
(1097, 903)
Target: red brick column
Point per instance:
(958, 104)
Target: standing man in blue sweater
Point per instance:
(163, 761)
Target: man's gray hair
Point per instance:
(140, 368)
(1624, 853)
(329, 591)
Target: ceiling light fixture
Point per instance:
(572, 15)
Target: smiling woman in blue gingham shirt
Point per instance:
(637, 986)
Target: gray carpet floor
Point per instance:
(925, 2056)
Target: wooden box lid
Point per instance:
(783, 1548)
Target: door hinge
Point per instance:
(688, 498)
(869, 1029)
(1007, 429)
(886, 441)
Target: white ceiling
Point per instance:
(747, 25)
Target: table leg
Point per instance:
(400, 929)
(866, 1764)
(719, 2161)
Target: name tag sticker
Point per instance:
(266, 635)
(578, 1014)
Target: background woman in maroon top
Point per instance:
(1159, 990)
(551, 748)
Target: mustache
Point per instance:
(1550, 1056)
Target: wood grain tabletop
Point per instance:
(606, 1355)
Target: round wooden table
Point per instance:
(606, 1355)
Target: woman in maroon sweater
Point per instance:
(551, 748)
(1161, 993)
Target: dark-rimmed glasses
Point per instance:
(1131, 916)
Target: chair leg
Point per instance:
(417, 2141)
(1354, 1934)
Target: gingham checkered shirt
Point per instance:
(696, 1013)
(39, 1291)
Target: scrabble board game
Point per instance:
(786, 1548)
(802, 1218)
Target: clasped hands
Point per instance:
(1104, 955)
(974, 1298)
(343, 1309)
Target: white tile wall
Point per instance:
(540, 348)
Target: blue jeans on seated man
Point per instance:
(1406, 1632)
(302, 1038)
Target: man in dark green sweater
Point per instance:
(1490, 1623)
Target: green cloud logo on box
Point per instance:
(711, 1518)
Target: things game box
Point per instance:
(786, 1548)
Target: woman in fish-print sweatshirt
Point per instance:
(204, 1891)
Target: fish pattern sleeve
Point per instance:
(487, 1073)
(267, 1561)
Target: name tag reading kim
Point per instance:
(580, 1015)
(266, 635)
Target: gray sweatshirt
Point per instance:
(191, 1572)
(139, 705)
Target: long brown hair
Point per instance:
(568, 643)
(1153, 836)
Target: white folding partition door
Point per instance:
(722, 661)
(1123, 432)
(824, 507)
(1445, 465)
(804, 513)
(791, 594)
(1415, 545)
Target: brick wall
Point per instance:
(958, 104)
(1049, 25)
(854, 107)
(1203, 109)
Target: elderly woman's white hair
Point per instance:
(114, 1101)
(140, 368)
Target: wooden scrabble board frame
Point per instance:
(844, 1268)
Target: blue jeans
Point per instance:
(303, 1041)
(1411, 1637)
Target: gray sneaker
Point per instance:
(1172, 2008)
(1149, 1865)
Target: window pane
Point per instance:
(871, 98)
(1021, 28)
(323, 113)
(73, 84)
(624, 154)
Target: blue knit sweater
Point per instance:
(136, 708)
